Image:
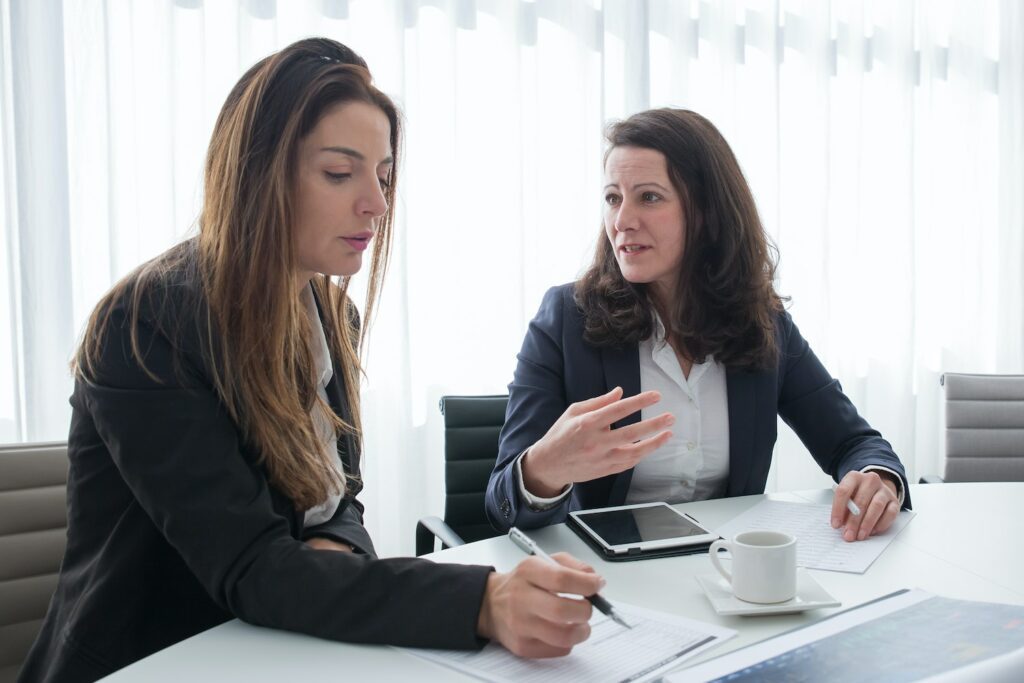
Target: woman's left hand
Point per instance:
(318, 543)
(875, 496)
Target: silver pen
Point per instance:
(529, 546)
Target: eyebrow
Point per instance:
(638, 186)
(348, 151)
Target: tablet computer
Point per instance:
(639, 528)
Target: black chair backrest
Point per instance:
(471, 427)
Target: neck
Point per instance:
(302, 281)
(663, 300)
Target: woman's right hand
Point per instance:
(523, 610)
(582, 446)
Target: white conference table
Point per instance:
(967, 541)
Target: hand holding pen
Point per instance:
(526, 609)
(864, 504)
(527, 545)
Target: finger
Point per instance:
(558, 635)
(591, 404)
(872, 514)
(892, 510)
(614, 412)
(567, 560)
(627, 456)
(559, 579)
(538, 603)
(559, 609)
(867, 491)
(535, 649)
(840, 496)
(635, 432)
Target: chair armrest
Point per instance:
(429, 527)
(931, 479)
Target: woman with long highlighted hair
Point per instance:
(215, 436)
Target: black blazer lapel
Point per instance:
(741, 397)
(621, 369)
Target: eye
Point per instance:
(384, 184)
(650, 197)
(612, 199)
(337, 177)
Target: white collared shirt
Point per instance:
(323, 371)
(694, 463)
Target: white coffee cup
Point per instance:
(763, 565)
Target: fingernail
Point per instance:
(601, 583)
(862, 535)
(835, 522)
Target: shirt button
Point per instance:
(690, 445)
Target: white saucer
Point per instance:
(809, 595)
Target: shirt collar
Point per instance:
(322, 369)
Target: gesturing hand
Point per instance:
(582, 446)
(523, 610)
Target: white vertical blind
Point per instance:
(884, 141)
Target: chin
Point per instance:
(346, 268)
(635, 278)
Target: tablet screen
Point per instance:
(638, 525)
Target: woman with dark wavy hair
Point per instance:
(215, 435)
(658, 376)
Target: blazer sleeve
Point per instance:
(537, 398)
(813, 404)
(346, 526)
(179, 452)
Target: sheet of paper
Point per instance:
(906, 637)
(818, 545)
(656, 643)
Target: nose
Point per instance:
(372, 202)
(625, 219)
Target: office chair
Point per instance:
(984, 428)
(471, 427)
(33, 531)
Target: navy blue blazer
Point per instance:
(557, 368)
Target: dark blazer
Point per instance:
(557, 368)
(173, 527)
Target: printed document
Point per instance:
(657, 642)
(818, 545)
(908, 636)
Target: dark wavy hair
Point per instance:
(725, 304)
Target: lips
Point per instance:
(359, 241)
(632, 249)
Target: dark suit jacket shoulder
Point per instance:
(557, 367)
(173, 526)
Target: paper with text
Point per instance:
(656, 643)
(818, 545)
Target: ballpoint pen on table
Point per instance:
(527, 545)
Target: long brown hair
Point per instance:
(725, 301)
(256, 330)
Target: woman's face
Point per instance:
(643, 217)
(343, 168)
